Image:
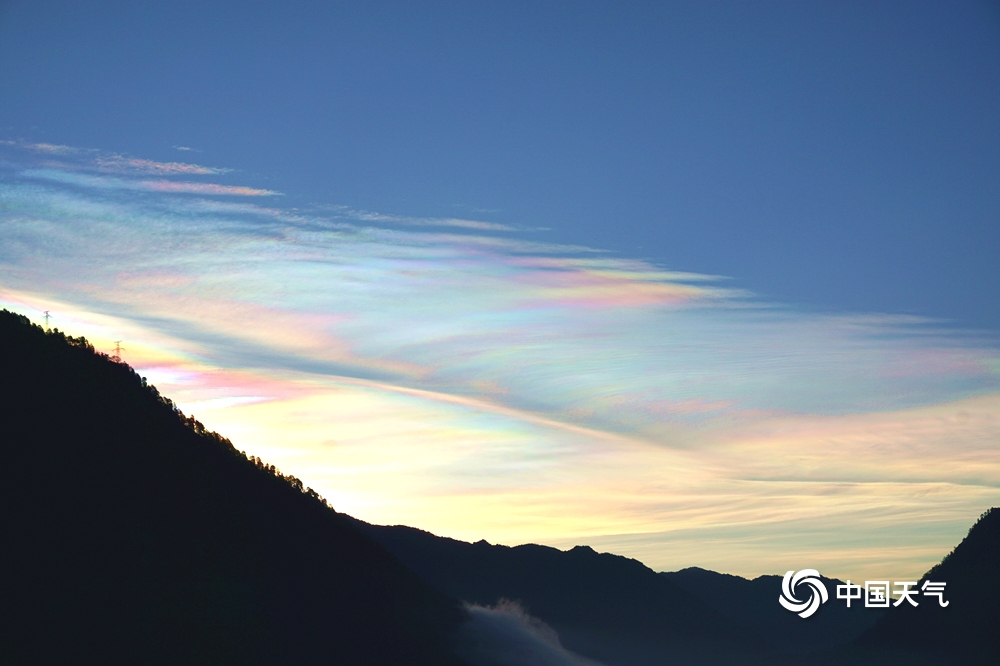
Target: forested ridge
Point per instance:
(132, 534)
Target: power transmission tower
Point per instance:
(117, 358)
(47, 320)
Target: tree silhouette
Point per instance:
(132, 534)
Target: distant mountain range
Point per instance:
(131, 535)
(752, 605)
(618, 611)
(605, 607)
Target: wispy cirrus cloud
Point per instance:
(369, 216)
(166, 186)
(51, 148)
(87, 168)
(44, 148)
(176, 187)
(123, 164)
(487, 386)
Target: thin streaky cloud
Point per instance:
(50, 148)
(368, 216)
(165, 186)
(175, 187)
(45, 148)
(126, 165)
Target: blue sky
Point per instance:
(704, 284)
(836, 155)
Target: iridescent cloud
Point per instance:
(123, 164)
(175, 187)
(486, 386)
(166, 186)
(368, 216)
(45, 148)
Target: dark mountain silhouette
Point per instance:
(752, 604)
(605, 607)
(130, 535)
(613, 609)
(967, 631)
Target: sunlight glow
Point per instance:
(484, 386)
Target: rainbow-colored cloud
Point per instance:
(123, 164)
(487, 386)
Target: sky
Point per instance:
(702, 284)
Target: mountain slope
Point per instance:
(131, 535)
(753, 605)
(603, 606)
(967, 631)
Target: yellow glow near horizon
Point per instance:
(478, 385)
(741, 501)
